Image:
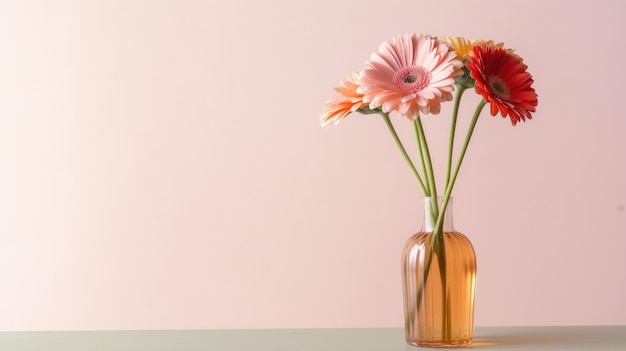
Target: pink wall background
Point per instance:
(162, 166)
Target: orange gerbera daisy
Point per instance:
(502, 80)
(347, 102)
(411, 74)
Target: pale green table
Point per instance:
(374, 339)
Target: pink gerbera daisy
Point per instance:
(411, 74)
(348, 101)
(502, 80)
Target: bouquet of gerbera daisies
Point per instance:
(413, 74)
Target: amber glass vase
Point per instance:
(439, 280)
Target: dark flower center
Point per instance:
(499, 88)
(412, 79)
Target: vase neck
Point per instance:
(430, 210)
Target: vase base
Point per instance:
(441, 345)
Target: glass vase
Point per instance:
(439, 281)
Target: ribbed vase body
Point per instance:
(439, 280)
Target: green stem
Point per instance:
(420, 153)
(455, 112)
(403, 150)
(429, 164)
(450, 185)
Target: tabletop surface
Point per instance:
(365, 339)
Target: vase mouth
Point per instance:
(431, 214)
(440, 199)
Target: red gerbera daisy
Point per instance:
(502, 80)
